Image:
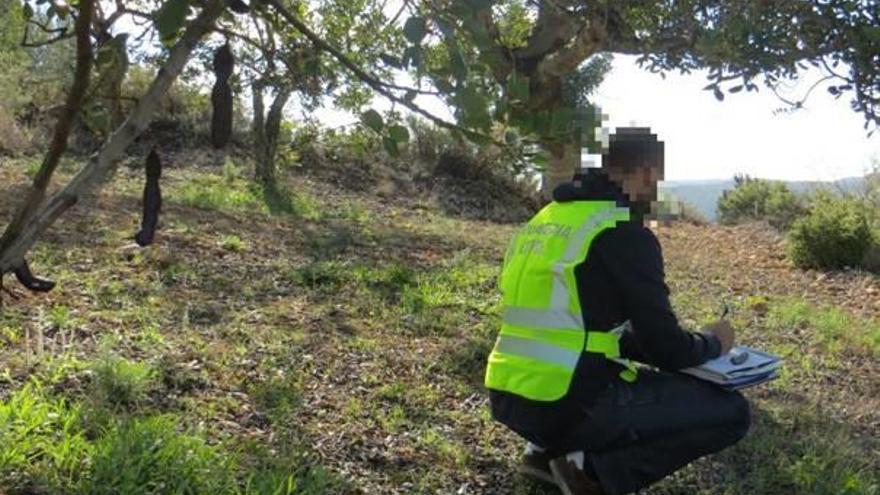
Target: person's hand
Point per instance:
(725, 334)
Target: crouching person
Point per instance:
(584, 296)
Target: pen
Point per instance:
(725, 310)
(741, 356)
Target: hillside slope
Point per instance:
(341, 339)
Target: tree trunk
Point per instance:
(16, 243)
(564, 159)
(262, 169)
(266, 133)
(58, 145)
(563, 152)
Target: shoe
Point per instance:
(537, 465)
(571, 478)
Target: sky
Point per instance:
(708, 139)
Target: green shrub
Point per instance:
(757, 199)
(834, 235)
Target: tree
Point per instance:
(278, 61)
(505, 63)
(38, 212)
(180, 34)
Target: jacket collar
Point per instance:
(596, 186)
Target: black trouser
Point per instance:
(638, 433)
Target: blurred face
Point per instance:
(639, 183)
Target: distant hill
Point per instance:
(704, 194)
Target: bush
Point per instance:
(835, 234)
(756, 199)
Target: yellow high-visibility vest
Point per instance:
(543, 335)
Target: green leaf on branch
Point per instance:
(399, 133)
(171, 17)
(415, 29)
(478, 32)
(474, 105)
(390, 146)
(561, 120)
(373, 120)
(539, 160)
(28, 11)
(97, 119)
(410, 95)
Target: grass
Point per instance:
(232, 192)
(150, 456)
(835, 329)
(319, 343)
(821, 456)
(42, 445)
(120, 383)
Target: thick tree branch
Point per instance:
(552, 29)
(62, 129)
(102, 163)
(587, 42)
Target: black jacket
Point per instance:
(620, 279)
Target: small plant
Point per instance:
(232, 243)
(32, 167)
(330, 274)
(120, 383)
(60, 316)
(279, 397)
(834, 235)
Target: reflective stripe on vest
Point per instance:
(559, 298)
(606, 343)
(543, 334)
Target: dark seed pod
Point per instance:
(239, 7)
(152, 201)
(221, 97)
(32, 283)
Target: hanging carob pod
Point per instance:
(221, 97)
(31, 282)
(152, 200)
(239, 7)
